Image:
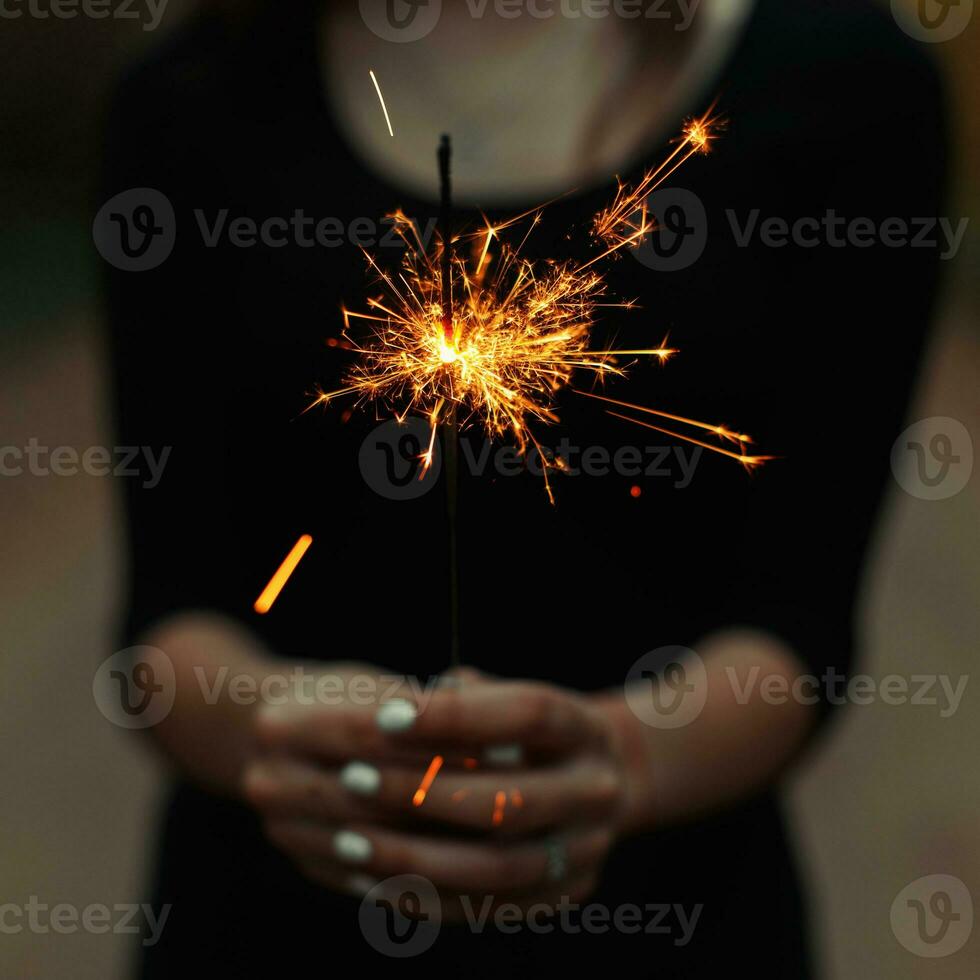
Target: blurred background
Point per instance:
(899, 791)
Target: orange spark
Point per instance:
(516, 798)
(500, 801)
(626, 220)
(430, 774)
(271, 592)
(748, 461)
(718, 430)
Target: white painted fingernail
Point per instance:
(503, 755)
(352, 847)
(396, 715)
(360, 778)
(360, 885)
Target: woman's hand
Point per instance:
(338, 787)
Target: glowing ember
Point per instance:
(381, 99)
(271, 592)
(499, 803)
(430, 774)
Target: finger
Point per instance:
(336, 733)
(462, 866)
(283, 786)
(538, 716)
(336, 877)
(521, 803)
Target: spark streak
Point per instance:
(271, 592)
(381, 99)
(499, 804)
(430, 774)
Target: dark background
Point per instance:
(78, 794)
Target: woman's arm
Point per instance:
(737, 744)
(208, 733)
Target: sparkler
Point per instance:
(491, 338)
(473, 333)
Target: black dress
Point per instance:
(810, 349)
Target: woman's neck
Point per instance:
(535, 106)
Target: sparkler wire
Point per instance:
(450, 431)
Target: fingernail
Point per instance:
(360, 778)
(352, 847)
(396, 715)
(510, 754)
(273, 715)
(258, 783)
(360, 885)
